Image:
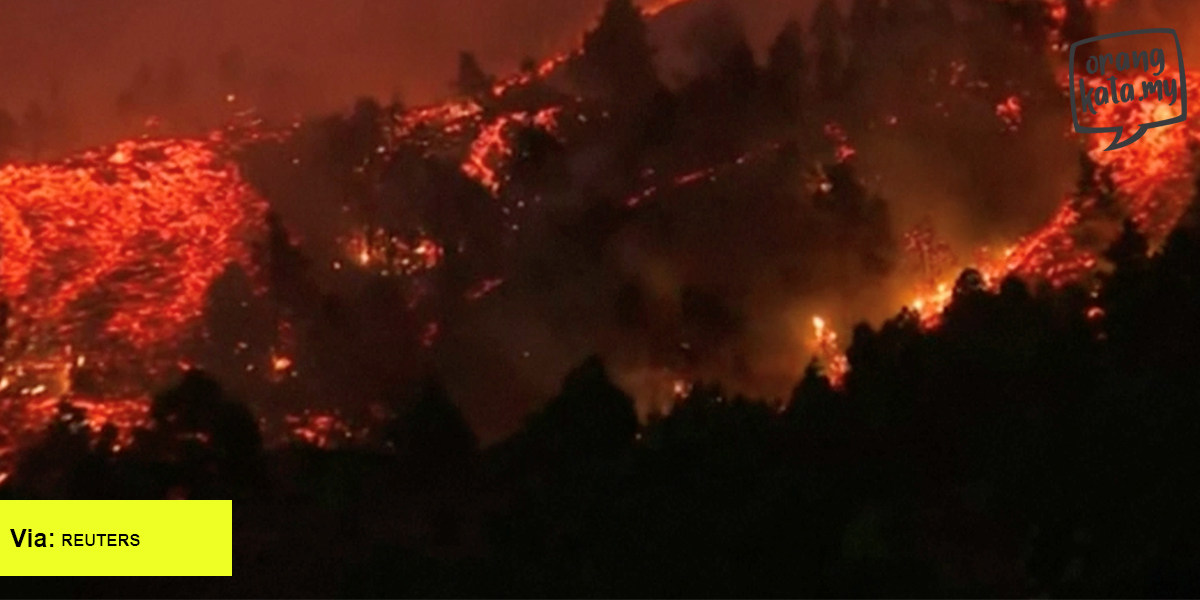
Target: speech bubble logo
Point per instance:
(1117, 142)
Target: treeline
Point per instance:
(1024, 447)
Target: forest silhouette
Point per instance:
(1037, 442)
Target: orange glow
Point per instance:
(1154, 173)
(320, 429)
(485, 287)
(1153, 180)
(391, 254)
(110, 255)
(681, 389)
(22, 419)
(493, 146)
(843, 151)
(829, 352)
(1009, 111)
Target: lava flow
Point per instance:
(108, 256)
(1152, 184)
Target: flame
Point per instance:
(549, 66)
(126, 241)
(321, 429)
(830, 354)
(116, 248)
(110, 254)
(660, 6)
(681, 389)
(493, 146)
(21, 419)
(392, 254)
(1151, 176)
(1154, 173)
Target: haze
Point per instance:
(326, 51)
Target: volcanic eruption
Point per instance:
(107, 258)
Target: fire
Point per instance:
(1153, 174)
(21, 419)
(441, 117)
(681, 389)
(110, 254)
(392, 254)
(493, 146)
(106, 259)
(281, 363)
(321, 429)
(660, 6)
(829, 352)
(1152, 178)
(1057, 11)
(549, 66)
(117, 247)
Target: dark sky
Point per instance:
(349, 46)
(338, 48)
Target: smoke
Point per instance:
(751, 228)
(307, 56)
(746, 237)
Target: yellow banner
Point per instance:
(116, 537)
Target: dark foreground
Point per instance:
(1020, 449)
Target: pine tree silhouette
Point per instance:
(787, 70)
(617, 61)
(471, 80)
(826, 28)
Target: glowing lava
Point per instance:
(106, 259)
(119, 245)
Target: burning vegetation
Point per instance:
(711, 238)
(109, 257)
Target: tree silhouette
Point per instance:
(859, 221)
(1130, 253)
(866, 21)
(812, 403)
(869, 31)
(432, 440)
(590, 419)
(787, 70)
(1032, 20)
(538, 165)
(826, 28)
(729, 75)
(471, 80)
(214, 440)
(53, 467)
(288, 270)
(1078, 24)
(4, 316)
(617, 61)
